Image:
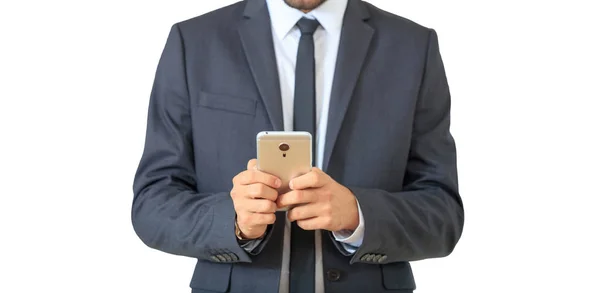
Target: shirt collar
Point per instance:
(330, 15)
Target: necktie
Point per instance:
(302, 252)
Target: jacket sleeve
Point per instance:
(424, 220)
(168, 212)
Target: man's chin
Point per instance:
(305, 5)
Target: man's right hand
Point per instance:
(254, 194)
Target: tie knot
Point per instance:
(307, 26)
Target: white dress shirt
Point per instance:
(286, 37)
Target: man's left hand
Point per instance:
(317, 201)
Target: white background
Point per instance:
(75, 79)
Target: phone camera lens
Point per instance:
(284, 147)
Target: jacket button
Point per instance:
(333, 275)
(377, 257)
(382, 259)
(221, 258)
(364, 257)
(233, 256)
(227, 257)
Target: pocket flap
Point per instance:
(211, 276)
(398, 276)
(227, 103)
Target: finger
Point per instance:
(303, 212)
(313, 179)
(260, 206)
(249, 220)
(295, 197)
(312, 223)
(254, 176)
(264, 219)
(254, 219)
(259, 190)
(251, 164)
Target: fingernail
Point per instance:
(277, 182)
(291, 185)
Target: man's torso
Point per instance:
(231, 101)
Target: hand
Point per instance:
(254, 194)
(322, 203)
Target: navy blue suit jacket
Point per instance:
(388, 141)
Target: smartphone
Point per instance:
(285, 154)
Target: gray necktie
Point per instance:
(302, 254)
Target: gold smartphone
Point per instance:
(285, 154)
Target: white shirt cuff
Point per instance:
(351, 240)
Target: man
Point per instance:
(370, 86)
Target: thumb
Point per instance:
(251, 164)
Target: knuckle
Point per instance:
(237, 193)
(240, 178)
(327, 209)
(237, 206)
(327, 221)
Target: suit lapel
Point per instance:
(354, 45)
(257, 41)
